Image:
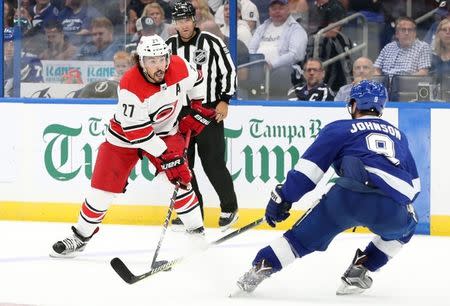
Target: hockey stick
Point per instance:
(172, 203)
(130, 278)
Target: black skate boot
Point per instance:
(71, 246)
(226, 220)
(355, 280)
(250, 280)
(177, 225)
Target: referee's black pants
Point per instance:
(211, 151)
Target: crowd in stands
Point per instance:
(282, 32)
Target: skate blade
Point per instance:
(229, 225)
(237, 293)
(53, 254)
(345, 289)
(177, 228)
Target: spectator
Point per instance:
(8, 14)
(249, 13)
(76, 18)
(43, 12)
(138, 7)
(145, 26)
(202, 11)
(331, 44)
(57, 46)
(283, 42)
(122, 62)
(314, 89)
(103, 46)
(431, 33)
(440, 63)
(299, 10)
(324, 13)
(131, 26)
(362, 70)
(30, 65)
(156, 12)
(405, 56)
(214, 5)
(243, 30)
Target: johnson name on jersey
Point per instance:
(146, 111)
(380, 146)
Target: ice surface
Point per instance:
(418, 275)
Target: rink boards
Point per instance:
(49, 148)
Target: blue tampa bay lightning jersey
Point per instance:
(381, 147)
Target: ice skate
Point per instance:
(226, 220)
(71, 246)
(251, 279)
(177, 225)
(355, 280)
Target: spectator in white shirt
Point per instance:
(243, 30)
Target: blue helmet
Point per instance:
(369, 95)
(8, 34)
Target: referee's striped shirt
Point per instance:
(210, 55)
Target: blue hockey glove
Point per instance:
(277, 209)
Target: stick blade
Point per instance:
(121, 269)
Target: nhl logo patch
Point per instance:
(200, 56)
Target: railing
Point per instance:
(266, 74)
(363, 46)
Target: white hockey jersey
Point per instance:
(146, 111)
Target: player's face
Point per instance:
(405, 32)
(155, 66)
(185, 27)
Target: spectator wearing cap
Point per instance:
(145, 26)
(43, 12)
(283, 42)
(156, 12)
(249, 13)
(243, 30)
(405, 56)
(57, 46)
(103, 46)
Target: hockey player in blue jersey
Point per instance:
(376, 186)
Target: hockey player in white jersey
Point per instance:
(377, 184)
(150, 97)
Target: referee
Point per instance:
(210, 55)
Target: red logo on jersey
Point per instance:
(164, 112)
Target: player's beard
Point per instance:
(158, 76)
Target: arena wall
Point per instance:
(49, 149)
